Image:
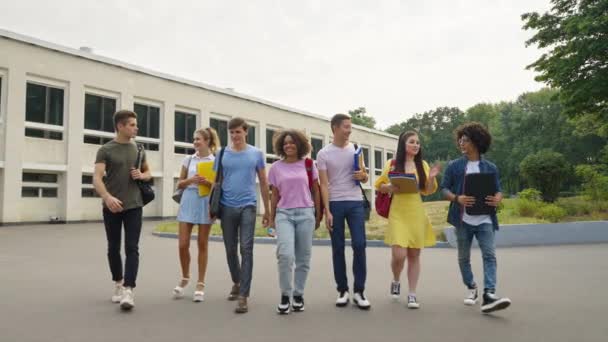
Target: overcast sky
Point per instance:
(395, 58)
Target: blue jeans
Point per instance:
(295, 228)
(354, 214)
(485, 238)
(239, 224)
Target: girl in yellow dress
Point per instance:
(409, 228)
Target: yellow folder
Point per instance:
(205, 169)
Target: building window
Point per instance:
(251, 135)
(148, 123)
(270, 156)
(185, 125)
(98, 119)
(378, 162)
(39, 185)
(44, 112)
(389, 155)
(88, 190)
(317, 145)
(221, 127)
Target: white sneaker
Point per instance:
(472, 297)
(199, 295)
(412, 303)
(342, 299)
(118, 292)
(361, 301)
(178, 291)
(127, 302)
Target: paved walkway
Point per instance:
(55, 286)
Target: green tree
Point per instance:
(359, 117)
(545, 171)
(575, 33)
(436, 131)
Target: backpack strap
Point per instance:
(308, 165)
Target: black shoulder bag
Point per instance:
(147, 193)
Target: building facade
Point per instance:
(56, 107)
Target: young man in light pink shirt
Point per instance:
(343, 200)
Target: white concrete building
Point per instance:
(56, 107)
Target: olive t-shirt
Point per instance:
(120, 159)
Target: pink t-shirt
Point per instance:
(292, 181)
(338, 162)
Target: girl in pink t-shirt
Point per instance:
(295, 213)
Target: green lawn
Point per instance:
(437, 212)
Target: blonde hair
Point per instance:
(209, 134)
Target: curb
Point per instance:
(315, 242)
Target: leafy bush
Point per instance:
(595, 184)
(545, 170)
(527, 208)
(576, 206)
(551, 212)
(530, 194)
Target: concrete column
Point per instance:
(14, 142)
(74, 125)
(167, 150)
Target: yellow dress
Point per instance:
(408, 224)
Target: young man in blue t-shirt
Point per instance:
(240, 165)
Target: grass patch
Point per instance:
(375, 227)
(576, 208)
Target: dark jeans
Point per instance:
(131, 219)
(354, 214)
(239, 224)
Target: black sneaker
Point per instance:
(395, 289)
(298, 304)
(283, 308)
(492, 302)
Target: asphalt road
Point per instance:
(55, 286)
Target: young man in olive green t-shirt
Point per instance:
(122, 202)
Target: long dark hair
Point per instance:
(401, 154)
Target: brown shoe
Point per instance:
(234, 293)
(241, 306)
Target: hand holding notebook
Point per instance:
(403, 182)
(480, 186)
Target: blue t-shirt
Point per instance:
(239, 170)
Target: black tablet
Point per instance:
(480, 185)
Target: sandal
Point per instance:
(199, 295)
(178, 291)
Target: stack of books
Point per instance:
(406, 182)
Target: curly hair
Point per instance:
(477, 133)
(299, 138)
